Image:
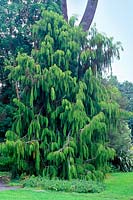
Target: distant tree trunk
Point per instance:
(89, 14)
(64, 9)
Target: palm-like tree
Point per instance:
(88, 14)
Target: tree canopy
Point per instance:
(63, 117)
(63, 112)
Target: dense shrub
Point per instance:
(80, 186)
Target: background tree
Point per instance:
(121, 138)
(126, 89)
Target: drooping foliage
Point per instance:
(63, 111)
(16, 19)
(103, 50)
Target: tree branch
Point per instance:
(17, 90)
(64, 9)
(88, 14)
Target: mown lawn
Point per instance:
(119, 186)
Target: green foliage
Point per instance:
(16, 20)
(64, 113)
(16, 34)
(54, 6)
(126, 89)
(125, 162)
(6, 115)
(5, 163)
(79, 186)
(100, 52)
(121, 138)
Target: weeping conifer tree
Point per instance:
(62, 116)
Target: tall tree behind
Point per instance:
(121, 138)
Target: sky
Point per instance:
(115, 19)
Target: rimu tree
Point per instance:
(62, 117)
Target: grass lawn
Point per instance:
(119, 186)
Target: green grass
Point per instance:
(119, 186)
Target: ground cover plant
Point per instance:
(79, 186)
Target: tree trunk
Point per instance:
(64, 9)
(89, 14)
